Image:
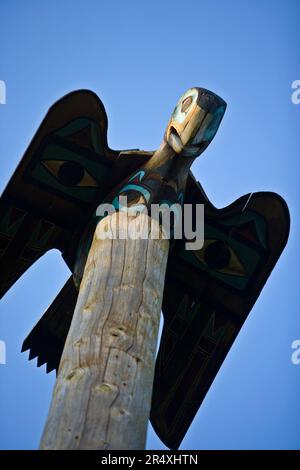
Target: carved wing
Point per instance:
(66, 170)
(208, 295)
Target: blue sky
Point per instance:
(139, 57)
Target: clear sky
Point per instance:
(139, 57)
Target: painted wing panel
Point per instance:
(208, 295)
(65, 172)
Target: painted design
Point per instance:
(230, 259)
(84, 132)
(64, 173)
(65, 167)
(208, 295)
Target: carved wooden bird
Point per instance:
(50, 202)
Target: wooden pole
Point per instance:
(102, 396)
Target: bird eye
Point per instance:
(186, 104)
(219, 256)
(70, 173)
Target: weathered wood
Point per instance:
(102, 396)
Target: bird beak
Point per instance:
(194, 122)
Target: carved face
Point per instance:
(194, 121)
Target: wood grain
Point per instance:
(102, 395)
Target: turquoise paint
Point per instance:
(140, 175)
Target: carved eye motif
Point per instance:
(186, 104)
(219, 256)
(70, 173)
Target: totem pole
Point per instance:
(100, 333)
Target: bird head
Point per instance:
(194, 122)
